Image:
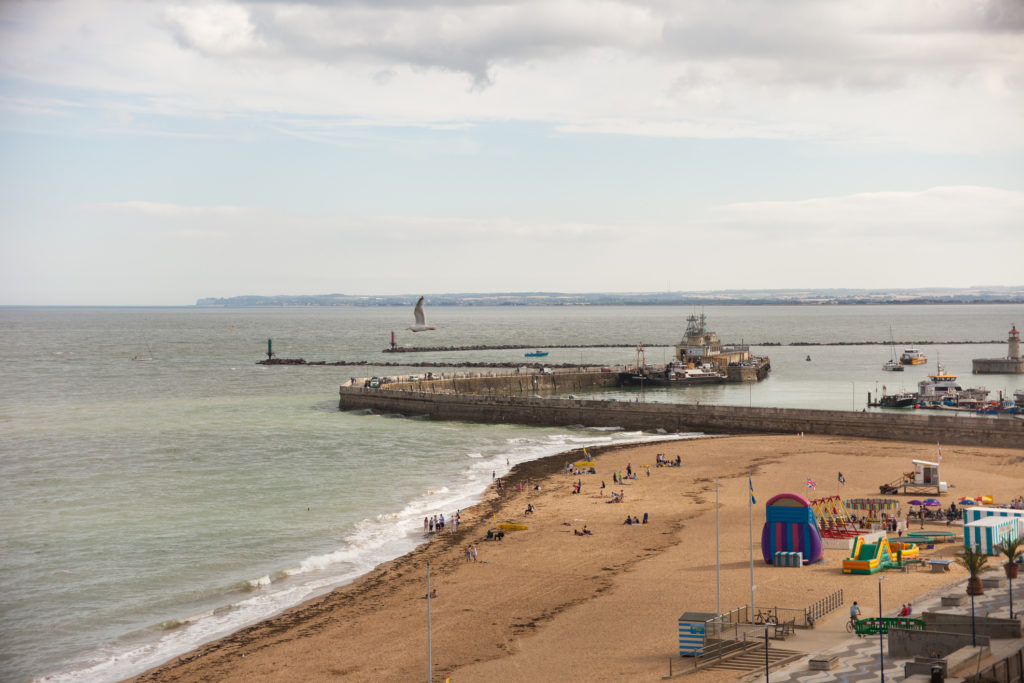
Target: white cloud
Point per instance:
(944, 215)
(162, 209)
(942, 75)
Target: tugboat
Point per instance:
(912, 356)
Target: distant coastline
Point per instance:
(787, 297)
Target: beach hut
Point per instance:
(974, 513)
(692, 633)
(983, 535)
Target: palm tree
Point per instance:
(974, 562)
(1011, 548)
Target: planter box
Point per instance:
(822, 662)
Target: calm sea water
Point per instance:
(148, 507)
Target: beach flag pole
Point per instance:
(750, 529)
(430, 667)
(718, 566)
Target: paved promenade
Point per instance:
(859, 657)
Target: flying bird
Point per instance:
(421, 323)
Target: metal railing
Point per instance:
(827, 604)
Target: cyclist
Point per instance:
(854, 614)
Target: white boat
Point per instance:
(892, 365)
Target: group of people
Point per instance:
(906, 610)
(437, 523)
(635, 520)
(584, 532)
(471, 553)
(662, 461)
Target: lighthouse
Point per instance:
(1012, 364)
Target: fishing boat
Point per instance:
(892, 365)
(898, 400)
(912, 356)
(536, 354)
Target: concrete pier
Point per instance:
(498, 403)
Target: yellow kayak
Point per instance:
(585, 463)
(513, 527)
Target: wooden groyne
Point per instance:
(489, 402)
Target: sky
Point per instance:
(153, 153)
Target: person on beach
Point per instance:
(645, 518)
(426, 525)
(474, 552)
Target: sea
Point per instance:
(149, 506)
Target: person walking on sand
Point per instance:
(473, 550)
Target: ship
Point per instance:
(912, 356)
(942, 387)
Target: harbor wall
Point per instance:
(500, 407)
(506, 384)
(998, 366)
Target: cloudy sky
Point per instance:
(155, 153)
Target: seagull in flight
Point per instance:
(421, 323)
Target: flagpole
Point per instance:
(718, 566)
(750, 528)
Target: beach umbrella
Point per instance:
(915, 502)
(967, 501)
(931, 503)
(965, 498)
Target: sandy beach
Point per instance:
(546, 604)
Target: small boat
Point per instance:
(808, 357)
(912, 356)
(536, 354)
(898, 400)
(892, 365)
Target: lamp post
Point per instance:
(881, 646)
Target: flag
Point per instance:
(585, 454)
(753, 501)
(810, 483)
(939, 446)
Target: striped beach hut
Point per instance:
(692, 633)
(983, 535)
(974, 513)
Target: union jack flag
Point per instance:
(810, 483)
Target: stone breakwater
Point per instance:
(419, 364)
(492, 400)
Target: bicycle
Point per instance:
(851, 626)
(763, 617)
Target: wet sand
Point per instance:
(545, 604)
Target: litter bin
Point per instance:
(937, 676)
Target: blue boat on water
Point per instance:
(536, 354)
